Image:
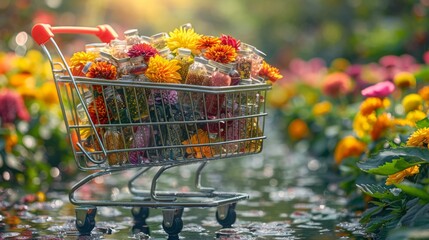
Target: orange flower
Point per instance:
(380, 126)
(11, 140)
(348, 147)
(102, 70)
(162, 70)
(362, 125)
(269, 72)
(336, 84)
(79, 60)
(98, 111)
(322, 108)
(298, 129)
(424, 93)
(399, 176)
(370, 105)
(206, 42)
(420, 138)
(221, 53)
(201, 137)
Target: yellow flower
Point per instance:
(322, 108)
(48, 93)
(403, 122)
(184, 38)
(79, 60)
(399, 176)
(412, 102)
(405, 80)
(362, 125)
(11, 140)
(371, 104)
(298, 129)
(415, 115)
(162, 70)
(420, 138)
(340, 64)
(201, 137)
(424, 93)
(380, 126)
(348, 147)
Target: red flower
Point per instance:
(228, 40)
(12, 107)
(98, 111)
(103, 70)
(142, 49)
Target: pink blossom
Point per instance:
(380, 90)
(12, 107)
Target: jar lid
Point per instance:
(186, 26)
(96, 45)
(106, 55)
(159, 35)
(115, 42)
(164, 51)
(131, 32)
(201, 60)
(86, 67)
(184, 51)
(146, 39)
(258, 52)
(123, 60)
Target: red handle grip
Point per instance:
(43, 32)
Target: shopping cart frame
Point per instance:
(171, 203)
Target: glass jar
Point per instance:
(244, 63)
(145, 39)
(159, 40)
(123, 66)
(116, 105)
(220, 77)
(135, 101)
(118, 48)
(114, 140)
(234, 74)
(185, 60)
(132, 37)
(257, 59)
(95, 48)
(197, 72)
(166, 53)
(84, 132)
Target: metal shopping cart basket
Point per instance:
(172, 129)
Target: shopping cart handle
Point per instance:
(43, 32)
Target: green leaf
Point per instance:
(423, 123)
(415, 190)
(391, 161)
(377, 191)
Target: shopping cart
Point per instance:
(136, 125)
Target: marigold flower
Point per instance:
(12, 107)
(102, 70)
(362, 125)
(298, 129)
(399, 176)
(228, 40)
(380, 90)
(322, 108)
(269, 72)
(184, 38)
(405, 80)
(162, 70)
(415, 115)
(380, 126)
(336, 84)
(221, 53)
(206, 42)
(419, 138)
(201, 137)
(98, 111)
(370, 105)
(142, 49)
(412, 102)
(424, 93)
(79, 60)
(348, 147)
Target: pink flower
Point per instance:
(12, 107)
(336, 84)
(380, 90)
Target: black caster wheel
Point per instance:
(226, 217)
(140, 214)
(85, 219)
(174, 228)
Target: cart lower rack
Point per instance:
(125, 125)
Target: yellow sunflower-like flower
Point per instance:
(415, 115)
(269, 72)
(184, 38)
(162, 70)
(405, 80)
(206, 42)
(298, 129)
(399, 176)
(412, 102)
(322, 108)
(78, 61)
(362, 125)
(419, 138)
(371, 104)
(221, 53)
(424, 93)
(348, 147)
(380, 126)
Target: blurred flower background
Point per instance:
(354, 80)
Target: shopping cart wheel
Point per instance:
(140, 213)
(226, 215)
(85, 219)
(172, 222)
